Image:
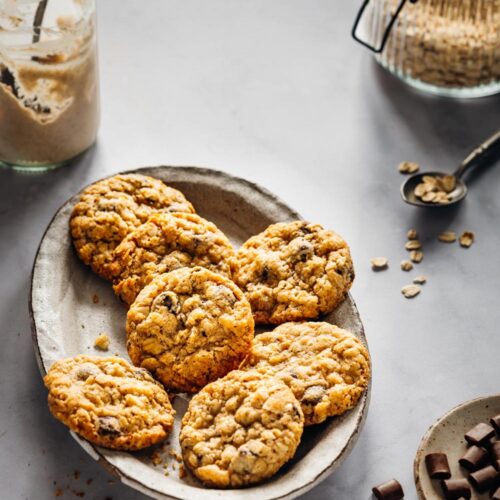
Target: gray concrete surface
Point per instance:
(275, 91)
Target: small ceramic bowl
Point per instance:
(447, 436)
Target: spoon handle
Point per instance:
(476, 157)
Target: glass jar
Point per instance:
(49, 92)
(447, 47)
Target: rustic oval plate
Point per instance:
(70, 306)
(446, 435)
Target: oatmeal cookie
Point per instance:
(167, 242)
(189, 327)
(326, 367)
(293, 271)
(109, 402)
(109, 209)
(240, 429)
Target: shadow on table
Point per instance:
(21, 191)
(457, 124)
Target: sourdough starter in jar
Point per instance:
(49, 95)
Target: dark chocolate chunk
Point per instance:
(391, 490)
(495, 422)
(495, 450)
(474, 458)
(480, 434)
(454, 489)
(484, 479)
(109, 426)
(437, 466)
(495, 494)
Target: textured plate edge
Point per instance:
(420, 450)
(93, 451)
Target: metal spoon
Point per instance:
(489, 148)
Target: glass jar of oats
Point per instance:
(49, 93)
(447, 47)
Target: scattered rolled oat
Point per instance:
(447, 237)
(408, 167)
(413, 245)
(406, 265)
(412, 234)
(379, 263)
(416, 256)
(410, 291)
(175, 455)
(102, 342)
(467, 239)
(420, 280)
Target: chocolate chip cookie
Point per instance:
(240, 430)
(109, 209)
(293, 271)
(109, 402)
(326, 367)
(189, 327)
(164, 243)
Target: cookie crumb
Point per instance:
(59, 492)
(412, 234)
(166, 473)
(379, 263)
(89, 481)
(416, 256)
(467, 239)
(102, 342)
(175, 455)
(406, 265)
(95, 298)
(447, 237)
(182, 472)
(76, 474)
(408, 167)
(156, 458)
(420, 280)
(413, 245)
(410, 291)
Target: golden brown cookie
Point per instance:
(109, 402)
(189, 327)
(240, 430)
(293, 271)
(167, 242)
(109, 209)
(326, 367)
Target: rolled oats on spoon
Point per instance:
(439, 189)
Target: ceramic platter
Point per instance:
(70, 306)
(447, 436)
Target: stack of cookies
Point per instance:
(193, 303)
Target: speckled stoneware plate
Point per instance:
(66, 320)
(447, 436)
